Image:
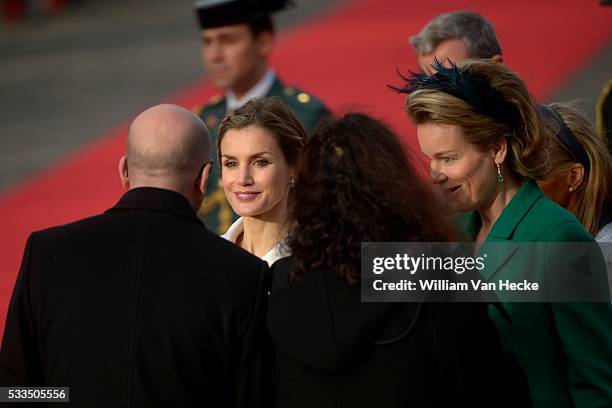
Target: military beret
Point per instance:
(217, 13)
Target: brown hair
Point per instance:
(272, 115)
(594, 192)
(526, 141)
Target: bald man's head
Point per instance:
(167, 148)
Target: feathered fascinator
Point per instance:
(465, 85)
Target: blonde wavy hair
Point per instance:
(595, 190)
(527, 142)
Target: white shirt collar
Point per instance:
(280, 250)
(260, 90)
(234, 231)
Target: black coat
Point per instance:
(332, 350)
(141, 306)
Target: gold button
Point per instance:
(215, 98)
(303, 97)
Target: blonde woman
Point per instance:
(258, 147)
(581, 176)
(480, 129)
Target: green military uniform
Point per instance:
(216, 211)
(565, 348)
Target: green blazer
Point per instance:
(564, 348)
(216, 211)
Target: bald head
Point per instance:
(167, 147)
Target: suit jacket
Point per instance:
(141, 306)
(565, 348)
(216, 211)
(332, 350)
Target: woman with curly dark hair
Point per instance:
(355, 184)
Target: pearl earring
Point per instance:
(500, 178)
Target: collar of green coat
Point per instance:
(510, 217)
(277, 87)
(276, 90)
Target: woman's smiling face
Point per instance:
(466, 174)
(255, 175)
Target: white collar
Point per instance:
(280, 250)
(260, 90)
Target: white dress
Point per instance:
(280, 250)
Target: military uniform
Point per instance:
(216, 211)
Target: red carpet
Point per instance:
(346, 59)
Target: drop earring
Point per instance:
(500, 178)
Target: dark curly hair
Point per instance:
(355, 183)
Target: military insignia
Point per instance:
(289, 90)
(224, 216)
(211, 121)
(303, 97)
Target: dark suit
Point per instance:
(332, 350)
(141, 306)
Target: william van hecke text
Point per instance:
(438, 285)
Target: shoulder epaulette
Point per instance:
(215, 99)
(298, 94)
(212, 102)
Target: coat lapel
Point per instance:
(277, 88)
(500, 246)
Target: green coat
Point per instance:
(564, 348)
(216, 212)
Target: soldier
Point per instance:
(237, 39)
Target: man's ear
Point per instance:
(265, 42)
(575, 177)
(203, 178)
(497, 58)
(123, 173)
